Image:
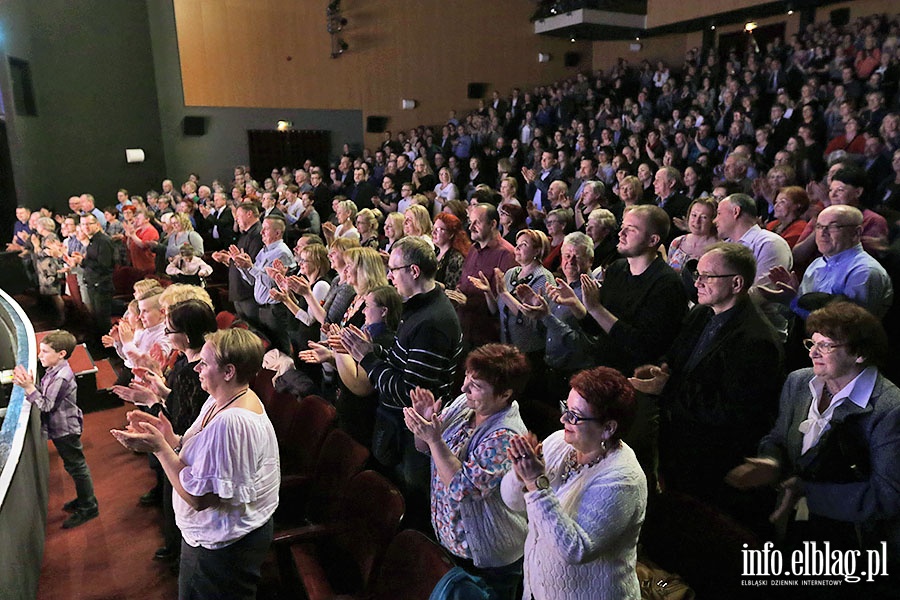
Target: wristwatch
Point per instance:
(542, 482)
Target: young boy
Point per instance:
(62, 419)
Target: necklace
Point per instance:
(212, 412)
(571, 466)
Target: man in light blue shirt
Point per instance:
(273, 315)
(843, 269)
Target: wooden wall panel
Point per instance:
(235, 53)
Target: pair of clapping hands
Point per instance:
(342, 340)
(241, 259)
(148, 386)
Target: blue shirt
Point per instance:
(853, 273)
(257, 276)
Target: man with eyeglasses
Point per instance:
(844, 269)
(424, 354)
(718, 385)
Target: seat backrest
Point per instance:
(263, 386)
(340, 458)
(373, 508)
(410, 552)
(314, 420)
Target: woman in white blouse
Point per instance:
(585, 495)
(224, 470)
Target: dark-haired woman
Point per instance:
(585, 495)
(179, 396)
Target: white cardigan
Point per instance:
(582, 533)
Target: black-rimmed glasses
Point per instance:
(571, 417)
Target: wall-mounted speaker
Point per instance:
(476, 90)
(194, 125)
(571, 59)
(840, 17)
(376, 124)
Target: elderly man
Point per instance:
(603, 228)
(539, 183)
(843, 269)
(737, 167)
(274, 316)
(846, 186)
(489, 251)
(719, 383)
(666, 183)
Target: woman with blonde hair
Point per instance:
(182, 292)
(182, 233)
(367, 226)
(345, 212)
(417, 222)
(393, 230)
(631, 190)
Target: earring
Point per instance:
(603, 445)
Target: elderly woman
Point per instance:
(631, 191)
(834, 446)
(224, 471)
(451, 245)
(585, 495)
(560, 221)
(468, 442)
(48, 251)
(791, 203)
(602, 227)
(345, 212)
(702, 234)
(182, 233)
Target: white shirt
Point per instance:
(857, 391)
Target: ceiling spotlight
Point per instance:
(713, 27)
(790, 12)
(572, 40)
(284, 125)
(749, 27)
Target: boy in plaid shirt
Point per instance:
(62, 420)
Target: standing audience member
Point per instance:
(61, 419)
(468, 442)
(584, 493)
(224, 471)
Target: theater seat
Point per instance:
(342, 557)
(410, 552)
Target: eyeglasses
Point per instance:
(705, 277)
(171, 331)
(821, 347)
(571, 417)
(392, 269)
(832, 228)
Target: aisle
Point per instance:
(109, 557)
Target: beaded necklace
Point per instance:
(571, 466)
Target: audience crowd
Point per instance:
(651, 245)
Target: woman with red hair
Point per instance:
(451, 245)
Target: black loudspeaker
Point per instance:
(840, 17)
(571, 59)
(194, 126)
(476, 90)
(376, 124)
